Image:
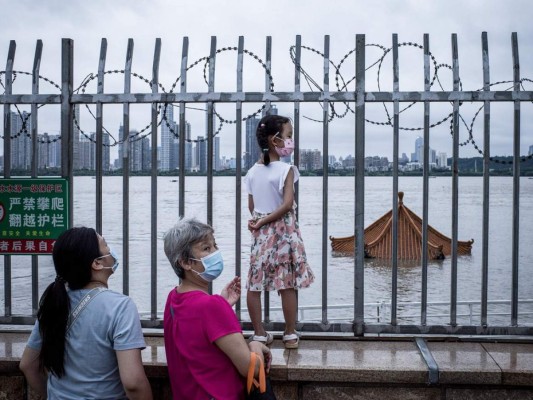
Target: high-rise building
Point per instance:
(139, 151)
(189, 163)
(87, 152)
(403, 159)
(120, 147)
(253, 152)
(310, 160)
(140, 154)
(201, 154)
(43, 161)
(54, 151)
(20, 140)
(76, 138)
(442, 160)
(216, 154)
(169, 149)
(530, 152)
(418, 155)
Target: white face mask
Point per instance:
(112, 254)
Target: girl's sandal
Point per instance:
(290, 337)
(266, 340)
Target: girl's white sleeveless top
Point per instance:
(265, 184)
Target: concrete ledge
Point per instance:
(347, 368)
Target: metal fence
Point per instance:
(353, 100)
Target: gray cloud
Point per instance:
(88, 22)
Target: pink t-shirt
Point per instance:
(197, 368)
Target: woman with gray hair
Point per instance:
(207, 355)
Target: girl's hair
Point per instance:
(74, 252)
(179, 239)
(268, 126)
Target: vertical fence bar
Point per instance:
(296, 127)
(210, 130)
(153, 177)
(425, 216)
(183, 140)
(8, 89)
(67, 121)
(126, 172)
(325, 148)
(297, 57)
(99, 135)
(268, 62)
(210, 137)
(455, 183)
(238, 167)
(359, 273)
(516, 181)
(396, 144)
(486, 182)
(34, 109)
(34, 168)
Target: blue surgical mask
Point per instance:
(213, 266)
(116, 264)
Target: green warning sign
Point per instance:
(33, 213)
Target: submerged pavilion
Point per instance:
(378, 238)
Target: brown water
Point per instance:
(378, 277)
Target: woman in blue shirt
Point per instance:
(87, 340)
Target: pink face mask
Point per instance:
(287, 150)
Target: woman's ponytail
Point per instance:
(54, 310)
(73, 254)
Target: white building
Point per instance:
(442, 160)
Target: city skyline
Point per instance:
(139, 151)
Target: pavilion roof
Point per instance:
(378, 238)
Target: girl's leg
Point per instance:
(288, 303)
(253, 301)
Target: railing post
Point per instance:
(67, 122)
(99, 136)
(153, 188)
(516, 182)
(395, 151)
(126, 172)
(7, 164)
(486, 183)
(425, 192)
(238, 168)
(325, 145)
(34, 168)
(455, 184)
(359, 275)
(183, 139)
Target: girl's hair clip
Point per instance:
(262, 125)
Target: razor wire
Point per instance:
(340, 82)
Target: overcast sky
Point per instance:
(87, 22)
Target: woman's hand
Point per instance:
(255, 224)
(263, 352)
(232, 291)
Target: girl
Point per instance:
(277, 259)
(87, 340)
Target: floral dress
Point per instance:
(277, 258)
